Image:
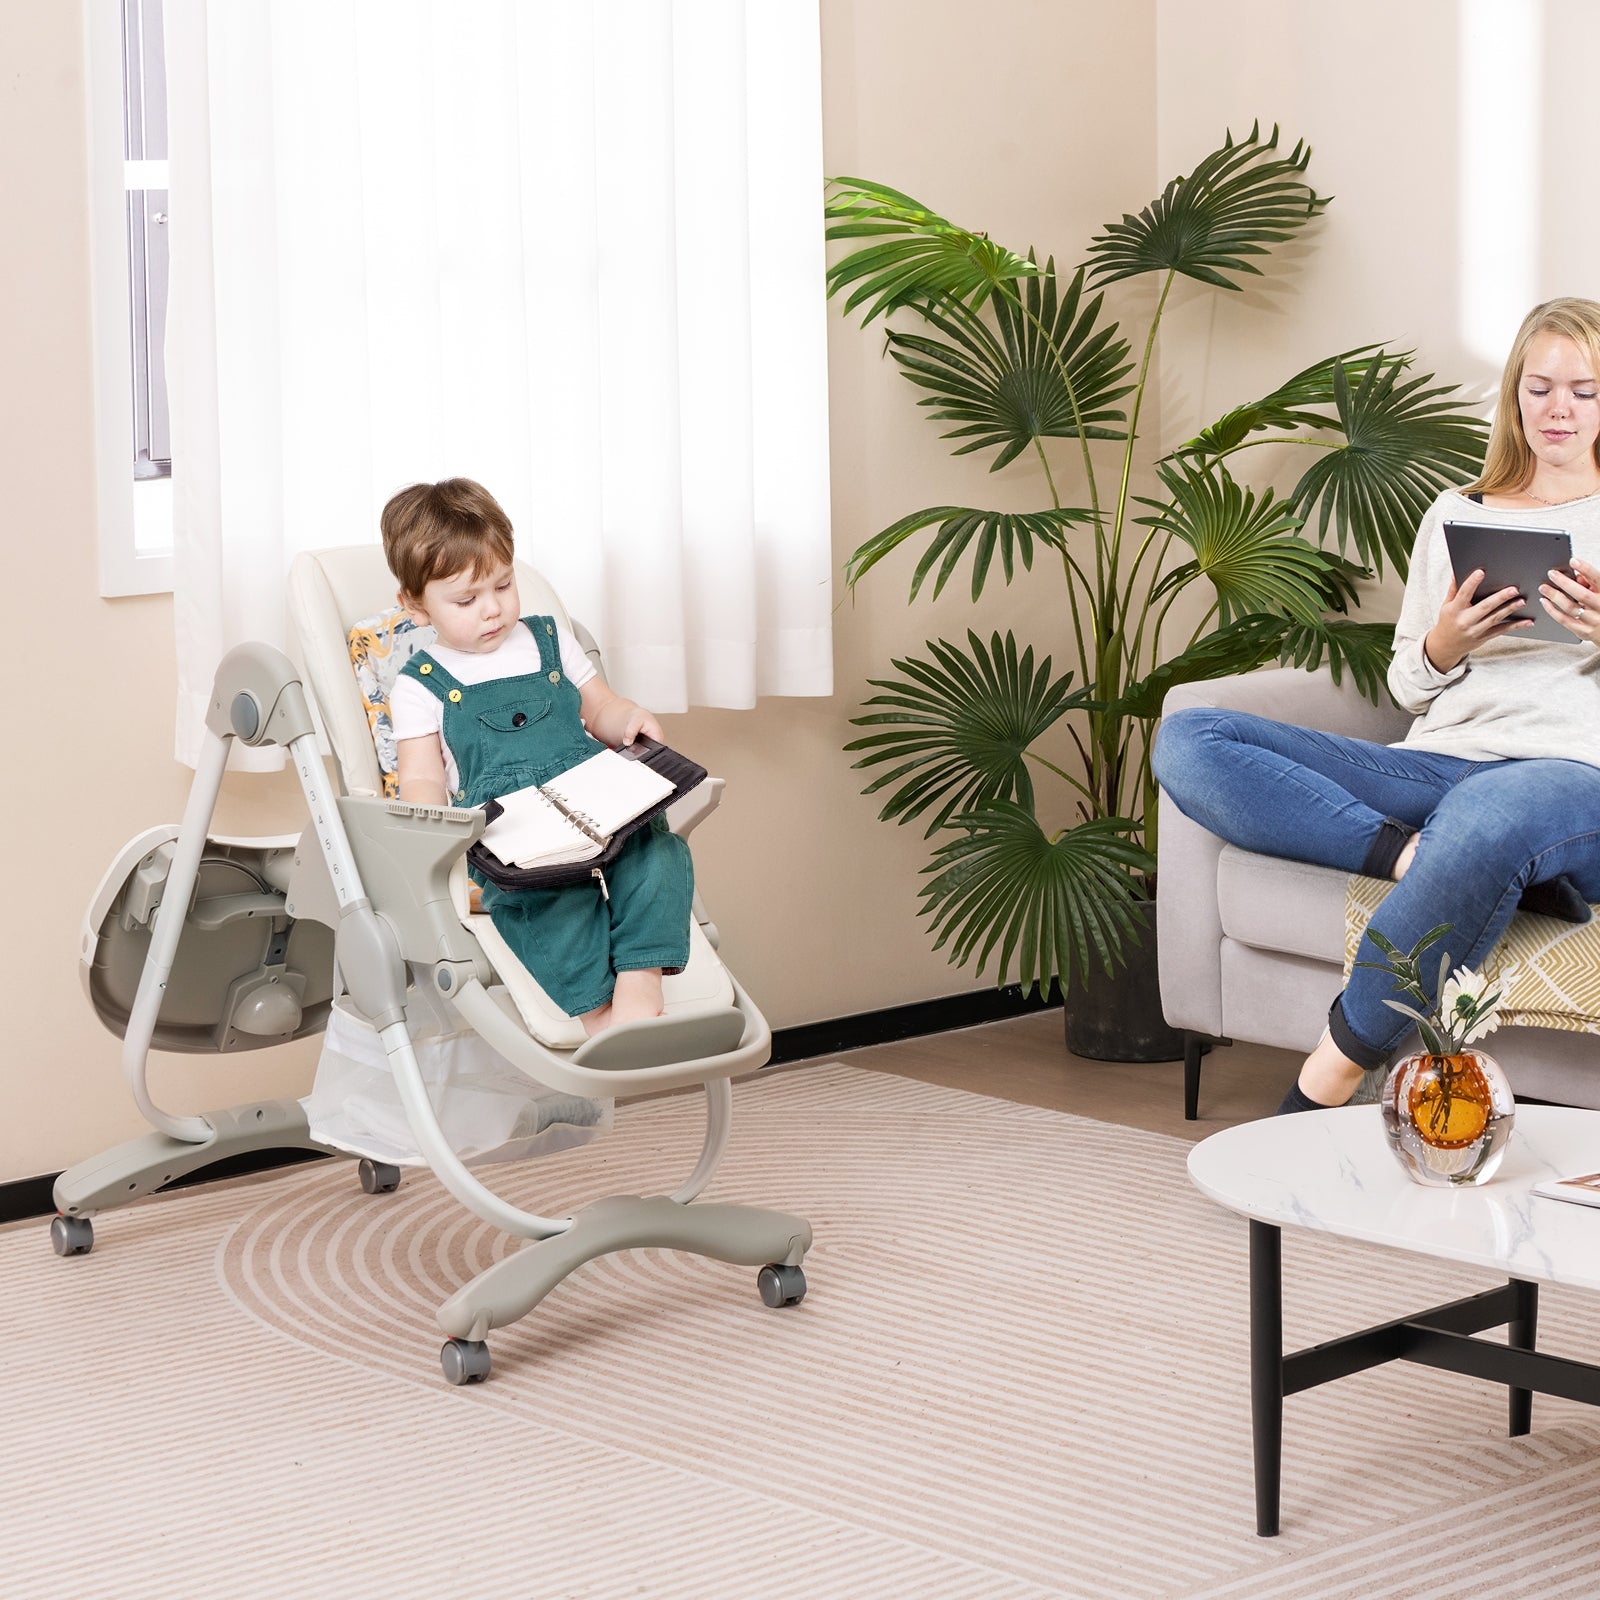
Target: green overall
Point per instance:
(512, 732)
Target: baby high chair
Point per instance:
(196, 943)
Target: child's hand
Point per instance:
(642, 721)
(613, 719)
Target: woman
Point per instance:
(1494, 795)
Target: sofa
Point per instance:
(1252, 947)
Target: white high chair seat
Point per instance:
(703, 985)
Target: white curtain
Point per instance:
(573, 250)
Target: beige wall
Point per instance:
(1037, 124)
(1442, 128)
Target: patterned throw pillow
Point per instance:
(379, 647)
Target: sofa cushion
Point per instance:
(1273, 904)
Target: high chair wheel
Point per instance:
(464, 1361)
(781, 1286)
(71, 1236)
(378, 1177)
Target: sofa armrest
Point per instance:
(1188, 917)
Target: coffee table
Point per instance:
(1332, 1172)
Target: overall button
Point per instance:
(550, 627)
(555, 677)
(461, 794)
(455, 695)
(520, 720)
(425, 668)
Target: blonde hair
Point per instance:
(435, 530)
(1508, 462)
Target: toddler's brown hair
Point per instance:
(435, 530)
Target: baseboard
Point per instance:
(908, 1022)
(31, 1197)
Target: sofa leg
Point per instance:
(1193, 1048)
(1195, 1045)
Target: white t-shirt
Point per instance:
(417, 712)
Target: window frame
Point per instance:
(121, 504)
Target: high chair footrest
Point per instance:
(659, 1041)
(512, 1287)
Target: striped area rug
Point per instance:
(1019, 1375)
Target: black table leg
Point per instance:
(1520, 1334)
(1266, 1369)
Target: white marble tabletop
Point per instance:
(1332, 1171)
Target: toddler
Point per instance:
(502, 701)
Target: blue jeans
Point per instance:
(1489, 830)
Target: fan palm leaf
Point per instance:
(1237, 202)
(1245, 546)
(1000, 886)
(1404, 442)
(956, 728)
(1005, 387)
(1241, 646)
(1009, 534)
(922, 257)
(1363, 649)
(1286, 408)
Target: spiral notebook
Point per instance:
(559, 831)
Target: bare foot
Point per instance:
(1328, 1076)
(1404, 859)
(637, 996)
(598, 1020)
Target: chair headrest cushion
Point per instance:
(380, 646)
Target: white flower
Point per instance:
(1464, 991)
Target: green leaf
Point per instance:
(959, 727)
(1404, 442)
(1001, 887)
(1246, 547)
(1363, 649)
(922, 257)
(1240, 647)
(1012, 533)
(1237, 202)
(1005, 386)
(1286, 408)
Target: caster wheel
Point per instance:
(71, 1236)
(464, 1361)
(781, 1286)
(378, 1177)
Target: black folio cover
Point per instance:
(679, 770)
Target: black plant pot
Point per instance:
(1117, 1017)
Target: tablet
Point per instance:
(1513, 558)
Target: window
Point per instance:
(144, 150)
(126, 100)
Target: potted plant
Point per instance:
(1012, 357)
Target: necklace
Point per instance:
(1566, 502)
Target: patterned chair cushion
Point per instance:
(379, 647)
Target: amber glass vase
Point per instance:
(1448, 1117)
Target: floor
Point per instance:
(1026, 1059)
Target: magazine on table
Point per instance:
(1582, 1189)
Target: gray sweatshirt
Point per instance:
(1511, 697)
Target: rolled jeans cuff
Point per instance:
(1351, 1048)
(1385, 849)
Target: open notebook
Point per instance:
(559, 831)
